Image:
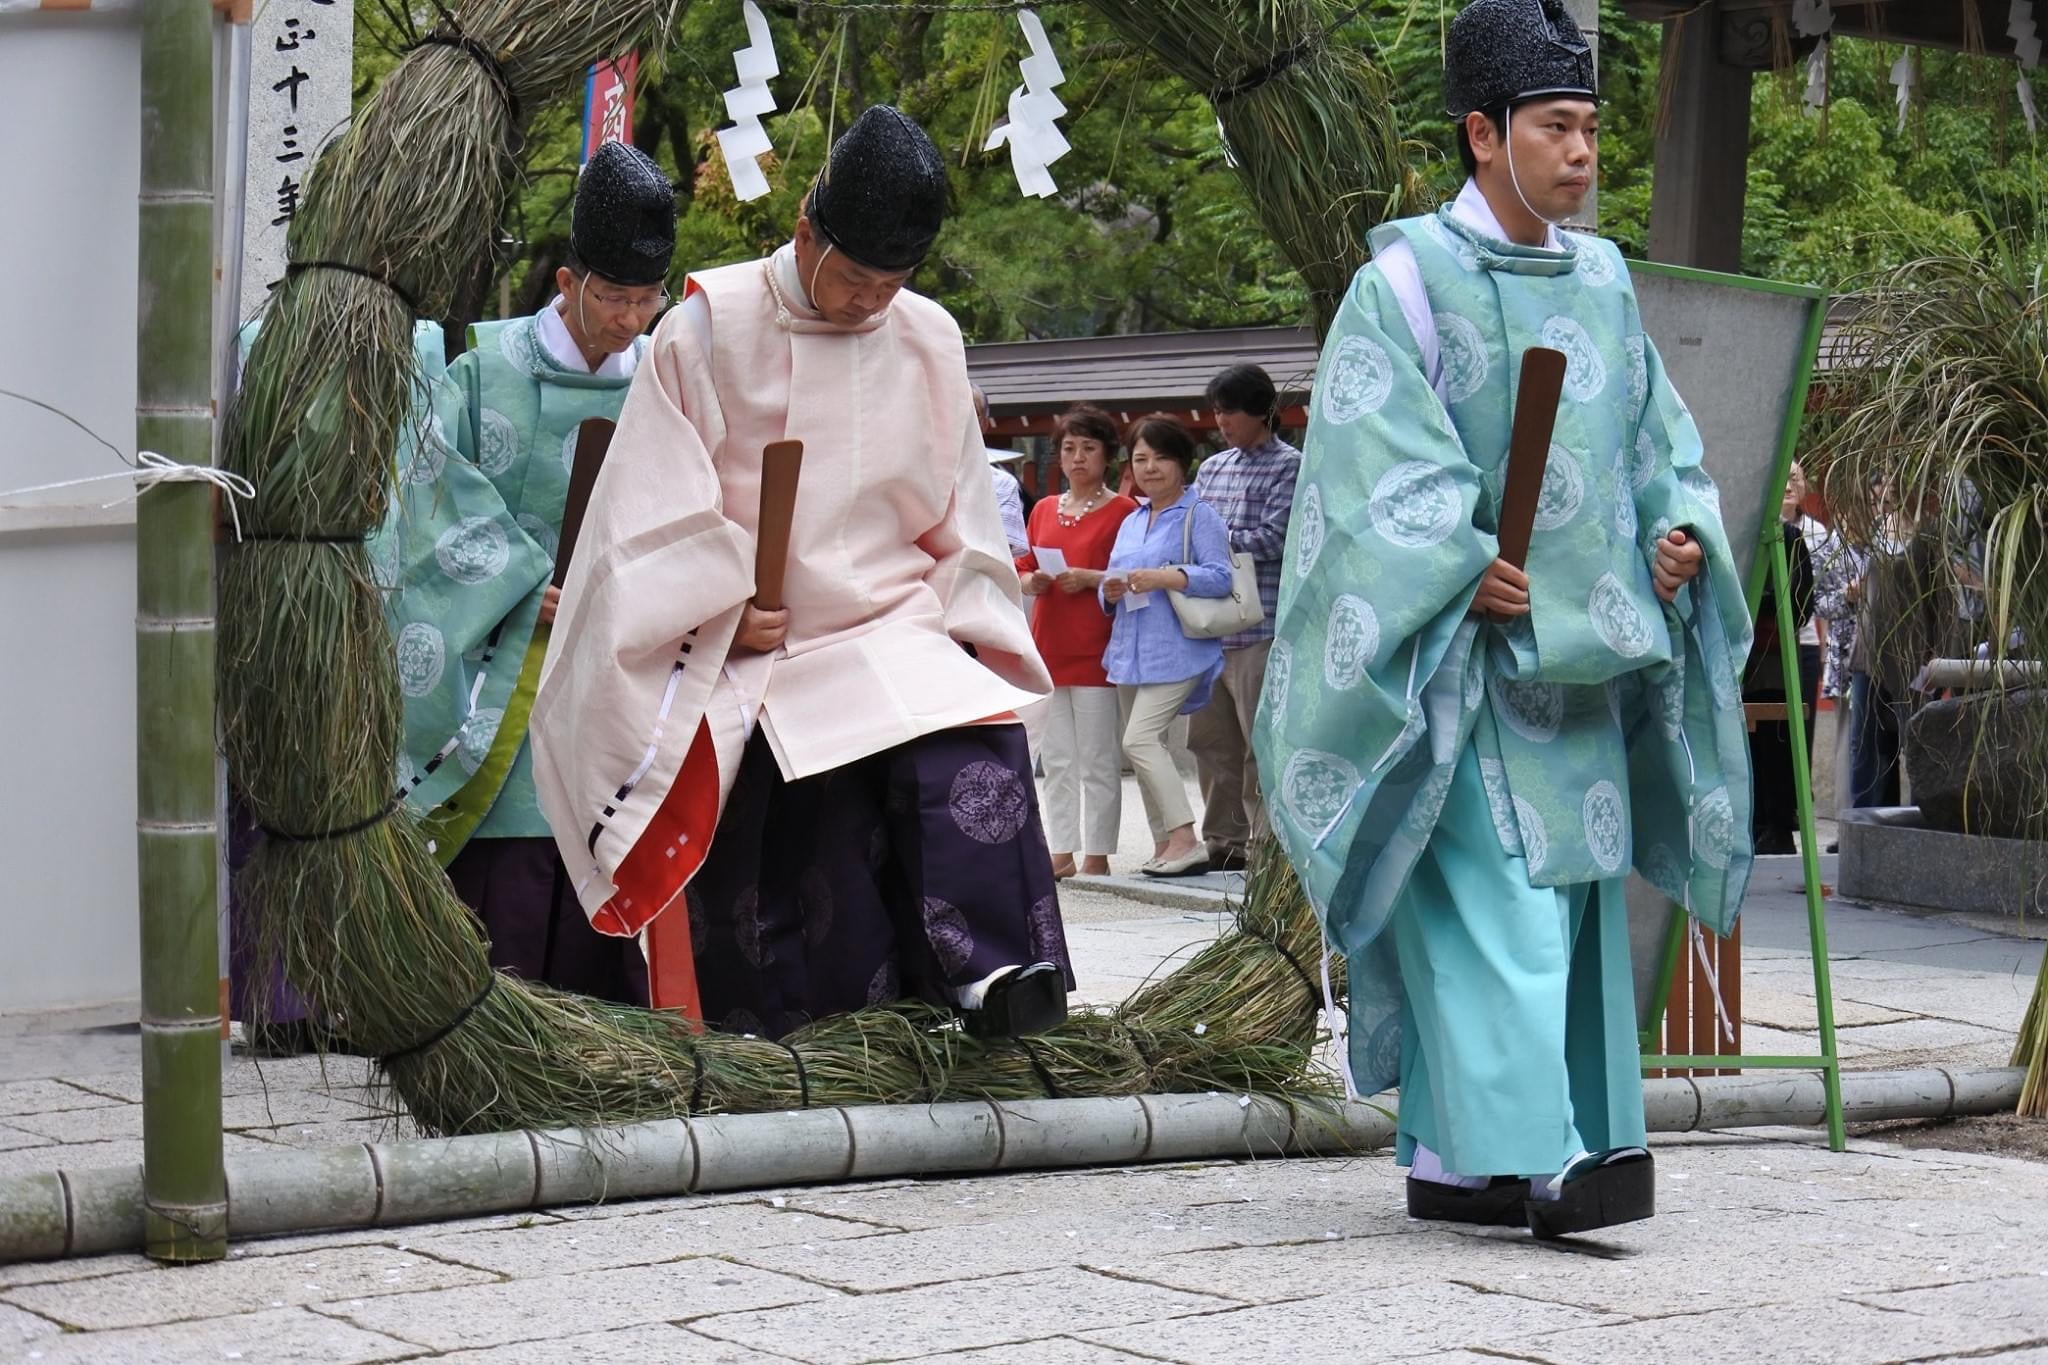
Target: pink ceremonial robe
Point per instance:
(897, 560)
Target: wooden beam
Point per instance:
(1702, 155)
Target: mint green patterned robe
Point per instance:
(466, 553)
(1608, 724)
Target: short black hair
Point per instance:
(1167, 436)
(1498, 118)
(1246, 389)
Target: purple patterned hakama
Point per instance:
(906, 874)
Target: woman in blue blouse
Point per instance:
(1158, 670)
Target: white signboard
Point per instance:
(301, 72)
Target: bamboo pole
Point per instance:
(390, 1184)
(184, 1184)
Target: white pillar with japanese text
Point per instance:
(301, 78)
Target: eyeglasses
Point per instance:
(621, 303)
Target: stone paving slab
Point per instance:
(1047, 1351)
(1812, 1332)
(47, 1096)
(1376, 1324)
(2020, 1300)
(18, 1329)
(654, 1344)
(342, 1274)
(646, 1238)
(77, 1156)
(557, 1306)
(285, 1336)
(957, 1317)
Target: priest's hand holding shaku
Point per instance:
(761, 631)
(1503, 591)
(1678, 562)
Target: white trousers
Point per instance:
(1083, 759)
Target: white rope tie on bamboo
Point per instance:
(151, 469)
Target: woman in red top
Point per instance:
(1078, 744)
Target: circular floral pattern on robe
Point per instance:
(1618, 618)
(1500, 803)
(701, 924)
(1606, 832)
(1428, 803)
(883, 986)
(427, 455)
(1595, 267)
(422, 654)
(814, 896)
(1351, 643)
(1671, 705)
(1533, 710)
(1358, 381)
(543, 534)
(1585, 373)
(497, 443)
(1638, 372)
(1643, 461)
(474, 739)
(1048, 935)
(1713, 826)
(1461, 349)
(1315, 787)
(988, 803)
(1308, 530)
(1383, 1050)
(1415, 505)
(746, 927)
(1279, 674)
(1474, 684)
(1701, 486)
(1721, 682)
(1625, 520)
(473, 551)
(1535, 840)
(519, 342)
(946, 929)
(1563, 491)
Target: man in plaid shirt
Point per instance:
(1252, 486)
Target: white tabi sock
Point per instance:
(1429, 1166)
(972, 994)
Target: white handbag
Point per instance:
(1210, 618)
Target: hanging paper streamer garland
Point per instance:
(1902, 77)
(2026, 45)
(1033, 135)
(746, 141)
(1815, 18)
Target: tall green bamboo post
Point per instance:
(184, 1187)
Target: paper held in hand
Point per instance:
(1051, 561)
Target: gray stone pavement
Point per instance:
(1768, 1247)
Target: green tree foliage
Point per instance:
(1151, 230)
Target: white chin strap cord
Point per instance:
(1507, 142)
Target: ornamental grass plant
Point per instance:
(1941, 447)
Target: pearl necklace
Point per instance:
(1068, 518)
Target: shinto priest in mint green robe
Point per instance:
(467, 554)
(1463, 801)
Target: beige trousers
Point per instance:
(1148, 712)
(1220, 735)
(1084, 786)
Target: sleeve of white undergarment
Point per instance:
(974, 573)
(1397, 265)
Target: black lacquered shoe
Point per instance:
(1497, 1204)
(1029, 1000)
(1600, 1190)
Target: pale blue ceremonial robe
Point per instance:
(1463, 801)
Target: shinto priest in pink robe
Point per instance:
(809, 811)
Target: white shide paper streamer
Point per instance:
(746, 142)
(1032, 133)
(2026, 45)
